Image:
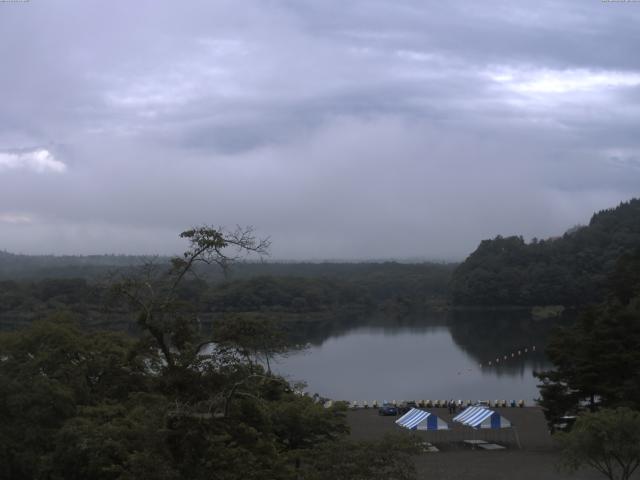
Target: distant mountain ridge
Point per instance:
(568, 270)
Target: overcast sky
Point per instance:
(341, 129)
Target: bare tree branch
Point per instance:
(153, 291)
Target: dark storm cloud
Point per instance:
(342, 129)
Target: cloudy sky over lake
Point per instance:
(342, 129)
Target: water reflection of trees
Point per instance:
(482, 335)
(317, 331)
(487, 336)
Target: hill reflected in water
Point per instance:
(426, 356)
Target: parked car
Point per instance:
(388, 409)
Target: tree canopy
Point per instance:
(77, 404)
(569, 270)
(608, 441)
(596, 360)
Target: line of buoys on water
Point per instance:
(355, 404)
(504, 358)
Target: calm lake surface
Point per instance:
(425, 358)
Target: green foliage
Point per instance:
(300, 423)
(293, 291)
(608, 441)
(46, 374)
(625, 280)
(254, 336)
(571, 270)
(285, 294)
(596, 360)
(114, 441)
(39, 267)
(76, 404)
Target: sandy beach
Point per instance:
(529, 453)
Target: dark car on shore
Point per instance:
(388, 409)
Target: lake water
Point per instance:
(425, 358)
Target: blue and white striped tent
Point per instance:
(416, 419)
(482, 417)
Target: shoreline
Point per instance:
(537, 459)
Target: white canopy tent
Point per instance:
(416, 419)
(482, 417)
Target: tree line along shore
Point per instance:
(78, 402)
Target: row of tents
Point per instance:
(479, 417)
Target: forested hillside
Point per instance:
(569, 270)
(596, 362)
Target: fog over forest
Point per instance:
(358, 130)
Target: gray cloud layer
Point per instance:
(342, 129)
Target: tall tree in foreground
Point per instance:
(255, 337)
(597, 360)
(77, 405)
(153, 290)
(608, 441)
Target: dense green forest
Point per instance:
(192, 392)
(569, 270)
(175, 401)
(596, 359)
(295, 291)
(19, 267)
(97, 267)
